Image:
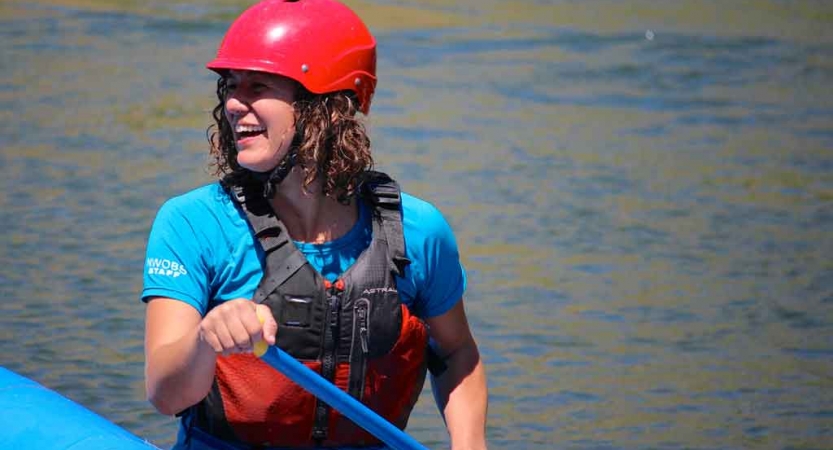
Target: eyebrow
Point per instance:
(252, 75)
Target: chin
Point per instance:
(256, 166)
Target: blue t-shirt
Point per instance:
(201, 251)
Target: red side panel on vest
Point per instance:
(261, 404)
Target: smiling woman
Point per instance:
(301, 245)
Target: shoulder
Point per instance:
(205, 213)
(422, 216)
(436, 272)
(208, 197)
(427, 233)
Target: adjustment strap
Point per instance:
(384, 194)
(280, 265)
(392, 227)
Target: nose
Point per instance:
(236, 106)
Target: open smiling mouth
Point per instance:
(245, 132)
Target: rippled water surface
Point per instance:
(642, 193)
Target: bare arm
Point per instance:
(460, 391)
(181, 347)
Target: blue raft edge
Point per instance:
(32, 413)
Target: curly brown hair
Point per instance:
(330, 140)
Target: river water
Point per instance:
(642, 193)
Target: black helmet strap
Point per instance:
(274, 177)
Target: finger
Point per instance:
(239, 333)
(211, 339)
(210, 332)
(224, 337)
(251, 322)
(270, 326)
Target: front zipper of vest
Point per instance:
(328, 363)
(359, 348)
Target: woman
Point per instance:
(301, 245)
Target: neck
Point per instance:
(308, 214)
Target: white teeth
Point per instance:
(249, 129)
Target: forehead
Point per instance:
(272, 81)
(241, 75)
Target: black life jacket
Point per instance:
(355, 332)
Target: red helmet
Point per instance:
(321, 44)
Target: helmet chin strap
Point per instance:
(274, 177)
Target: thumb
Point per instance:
(270, 326)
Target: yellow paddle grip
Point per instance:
(260, 346)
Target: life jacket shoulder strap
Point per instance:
(282, 257)
(384, 194)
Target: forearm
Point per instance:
(179, 374)
(461, 394)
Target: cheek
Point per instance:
(284, 124)
(228, 117)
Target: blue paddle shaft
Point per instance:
(340, 400)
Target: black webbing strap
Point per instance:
(383, 193)
(282, 258)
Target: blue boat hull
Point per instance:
(32, 416)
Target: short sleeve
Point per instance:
(439, 276)
(174, 264)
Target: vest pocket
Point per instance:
(359, 347)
